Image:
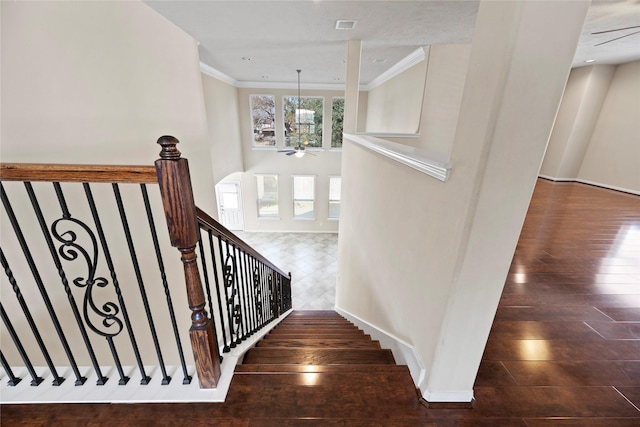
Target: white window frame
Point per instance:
(293, 197)
(256, 176)
(331, 147)
(293, 142)
(330, 218)
(275, 120)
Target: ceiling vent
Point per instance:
(345, 24)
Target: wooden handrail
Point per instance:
(78, 173)
(211, 224)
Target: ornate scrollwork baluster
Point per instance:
(257, 289)
(108, 325)
(233, 303)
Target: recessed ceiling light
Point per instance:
(345, 24)
(589, 61)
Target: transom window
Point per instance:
(303, 197)
(308, 116)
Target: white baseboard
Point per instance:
(132, 392)
(404, 353)
(462, 396)
(588, 182)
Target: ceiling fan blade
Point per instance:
(617, 38)
(617, 29)
(286, 151)
(291, 153)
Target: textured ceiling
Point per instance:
(266, 41)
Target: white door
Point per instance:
(230, 205)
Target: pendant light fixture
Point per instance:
(298, 150)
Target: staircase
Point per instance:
(317, 366)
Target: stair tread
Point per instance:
(333, 395)
(316, 325)
(316, 331)
(318, 343)
(323, 336)
(318, 356)
(296, 368)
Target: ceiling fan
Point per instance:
(617, 38)
(299, 149)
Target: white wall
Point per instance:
(324, 164)
(447, 67)
(221, 101)
(577, 117)
(426, 261)
(613, 155)
(99, 82)
(596, 136)
(395, 106)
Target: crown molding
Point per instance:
(212, 72)
(401, 66)
(285, 85)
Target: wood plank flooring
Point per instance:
(564, 349)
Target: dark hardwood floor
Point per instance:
(564, 349)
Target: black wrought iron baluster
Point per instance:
(266, 304)
(165, 284)
(80, 380)
(207, 284)
(240, 285)
(13, 380)
(248, 292)
(272, 297)
(252, 295)
(257, 293)
(57, 379)
(116, 286)
(226, 348)
(262, 294)
(70, 250)
(143, 293)
(35, 379)
(231, 281)
(225, 281)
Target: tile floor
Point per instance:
(312, 259)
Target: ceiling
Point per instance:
(264, 42)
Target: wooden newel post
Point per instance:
(180, 211)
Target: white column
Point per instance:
(352, 84)
(520, 61)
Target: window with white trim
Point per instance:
(303, 196)
(337, 118)
(307, 116)
(263, 120)
(335, 183)
(267, 196)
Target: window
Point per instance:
(267, 195)
(337, 117)
(309, 118)
(334, 197)
(263, 119)
(303, 197)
